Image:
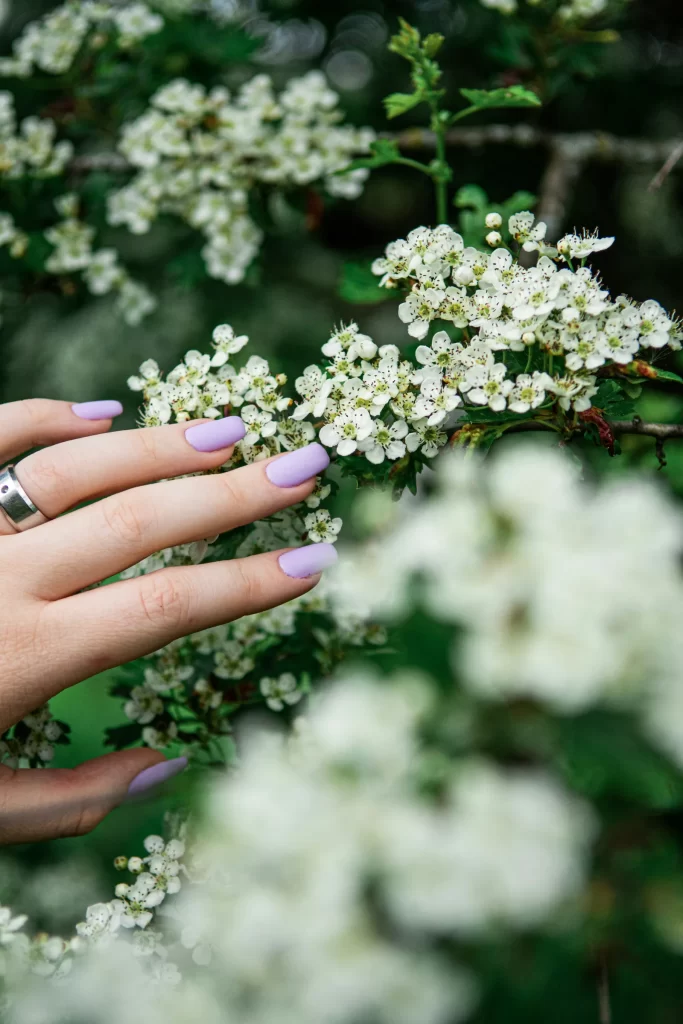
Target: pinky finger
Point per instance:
(54, 803)
(100, 629)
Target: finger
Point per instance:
(59, 477)
(36, 421)
(53, 803)
(91, 632)
(96, 542)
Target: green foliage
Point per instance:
(488, 99)
(360, 286)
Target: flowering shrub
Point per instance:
(393, 847)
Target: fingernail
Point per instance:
(303, 562)
(105, 410)
(152, 777)
(297, 466)
(210, 437)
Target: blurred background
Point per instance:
(78, 348)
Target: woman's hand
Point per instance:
(52, 635)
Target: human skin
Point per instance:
(53, 635)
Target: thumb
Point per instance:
(52, 803)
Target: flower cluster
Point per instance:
(199, 153)
(547, 577)
(53, 43)
(573, 10)
(325, 875)
(29, 148)
(30, 743)
(553, 316)
(210, 674)
(73, 253)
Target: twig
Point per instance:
(604, 1002)
(661, 431)
(668, 166)
(555, 189)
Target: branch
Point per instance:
(660, 431)
(560, 175)
(583, 146)
(669, 164)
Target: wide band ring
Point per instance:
(16, 504)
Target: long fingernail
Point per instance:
(308, 561)
(210, 437)
(152, 777)
(105, 410)
(296, 467)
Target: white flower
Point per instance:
(525, 231)
(528, 391)
(386, 441)
(226, 344)
(314, 387)
(435, 401)
(321, 528)
(486, 385)
(346, 430)
(580, 246)
(284, 690)
(428, 439)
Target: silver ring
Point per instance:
(16, 504)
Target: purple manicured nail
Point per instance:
(152, 777)
(105, 410)
(294, 468)
(308, 561)
(216, 434)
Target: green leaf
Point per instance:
(487, 99)
(359, 285)
(614, 401)
(432, 43)
(666, 375)
(382, 152)
(401, 102)
(471, 196)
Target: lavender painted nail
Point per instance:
(210, 437)
(105, 410)
(308, 561)
(294, 468)
(152, 777)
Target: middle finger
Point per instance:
(93, 543)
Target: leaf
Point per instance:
(614, 401)
(471, 196)
(641, 368)
(401, 102)
(487, 99)
(382, 152)
(359, 285)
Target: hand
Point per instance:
(52, 635)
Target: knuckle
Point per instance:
(250, 585)
(37, 410)
(148, 443)
(45, 476)
(234, 494)
(129, 519)
(165, 600)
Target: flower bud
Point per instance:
(135, 865)
(528, 337)
(493, 220)
(120, 863)
(494, 238)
